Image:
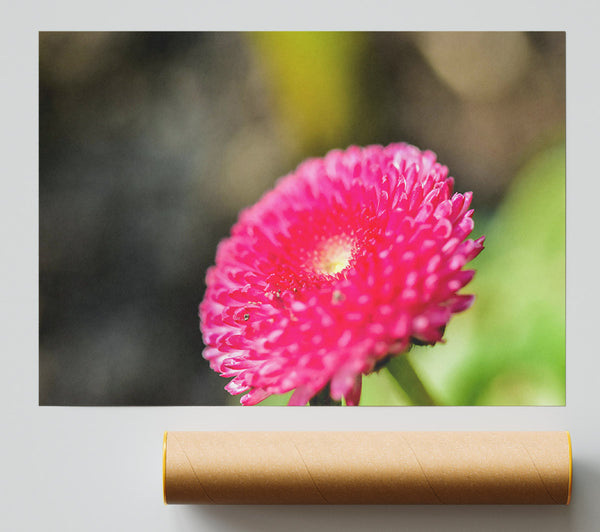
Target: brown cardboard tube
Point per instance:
(367, 467)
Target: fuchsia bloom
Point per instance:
(347, 261)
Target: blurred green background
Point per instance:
(151, 143)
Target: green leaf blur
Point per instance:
(509, 348)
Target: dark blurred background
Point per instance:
(150, 144)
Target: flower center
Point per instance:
(331, 256)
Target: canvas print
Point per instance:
(302, 218)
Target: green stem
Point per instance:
(403, 372)
(323, 398)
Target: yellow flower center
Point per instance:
(332, 256)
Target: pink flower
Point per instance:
(347, 261)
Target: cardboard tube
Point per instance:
(367, 467)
